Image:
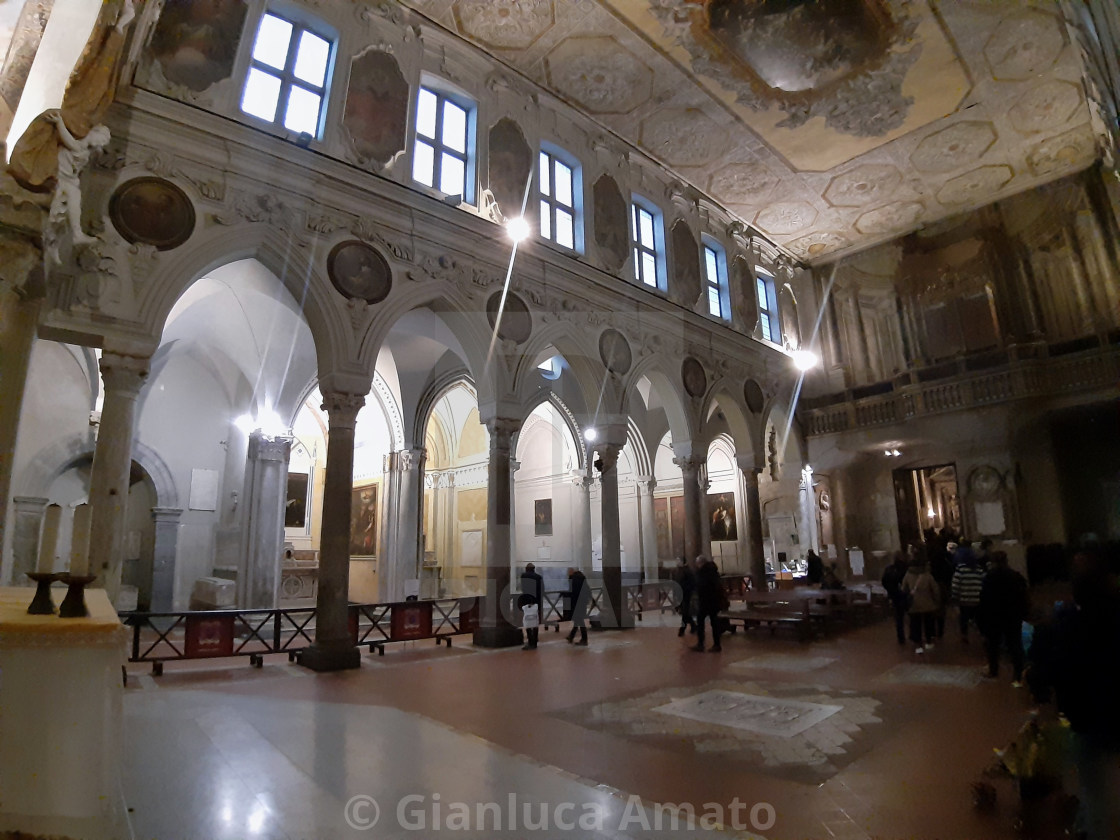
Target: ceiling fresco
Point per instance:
(830, 125)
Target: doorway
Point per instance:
(926, 498)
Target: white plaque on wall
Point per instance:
(989, 518)
(470, 548)
(204, 490)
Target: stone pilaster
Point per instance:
(494, 628)
(581, 522)
(648, 527)
(333, 649)
(404, 550)
(262, 535)
(123, 377)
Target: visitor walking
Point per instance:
(924, 597)
(1004, 605)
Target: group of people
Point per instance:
(702, 599)
(988, 593)
(532, 599)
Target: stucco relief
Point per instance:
(953, 147)
(817, 243)
(975, 186)
(743, 183)
(1045, 107)
(376, 114)
(683, 136)
(890, 217)
(1070, 148)
(786, 217)
(505, 24)
(600, 74)
(870, 183)
(1025, 44)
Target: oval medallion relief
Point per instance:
(517, 322)
(152, 211)
(752, 393)
(693, 376)
(359, 271)
(615, 352)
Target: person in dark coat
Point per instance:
(710, 600)
(814, 571)
(532, 592)
(1004, 605)
(685, 578)
(941, 567)
(892, 582)
(580, 596)
(1073, 660)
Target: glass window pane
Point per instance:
(544, 176)
(303, 111)
(649, 268)
(565, 229)
(454, 127)
(761, 285)
(546, 221)
(423, 161)
(637, 264)
(452, 174)
(426, 114)
(262, 91)
(710, 266)
(645, 228)
(273, 36)
(713, 302)
(563, 184)
(311, 58)
(765, 326)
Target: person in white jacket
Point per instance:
(925, 599)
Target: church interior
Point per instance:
(310, 311)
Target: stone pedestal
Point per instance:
(262, 541)
(60, 721)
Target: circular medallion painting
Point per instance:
(152, 211)
(752, 393)
(693, 376)
(359, 271)
(614, 350)
(517, 323)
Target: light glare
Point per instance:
(518, 229)
(804, 359)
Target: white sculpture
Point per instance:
(73, 155)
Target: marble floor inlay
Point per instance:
(764, 715)
(784, 662)
(952, 676)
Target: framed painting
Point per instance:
(542, 518)
(721, 512)
(295, 504)
(363, 521)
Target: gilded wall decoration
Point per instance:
(195, 43)
(612, 226)
(376, 115)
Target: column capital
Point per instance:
(412, 459)
(30, 502)
(265, 448)
(690, 463)
(502, 427)
(342, 408)
(646, 484)
(124, 374)
(608, 456)
(160, 514)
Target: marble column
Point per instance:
(27, 526)
(166, 544)
(403, 554)
(494, 628)
(581, 522)
(613, 609)
(333, 648)
(752, 505)
(693, 516)
(262, 530)
(648, 527)
(123, 377)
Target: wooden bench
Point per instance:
(773, 613)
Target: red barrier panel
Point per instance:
(208, 635)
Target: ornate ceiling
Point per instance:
(830, 125)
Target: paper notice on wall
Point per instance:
(989, 518)
(204, 490)
(855, 560)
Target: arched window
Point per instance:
(715, 279)
(768, 307)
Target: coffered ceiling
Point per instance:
(830, 125)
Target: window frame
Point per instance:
(300, 21)
(769, 316)
(719, 284)
(445, 92)
(638, 205)
(556, 155)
